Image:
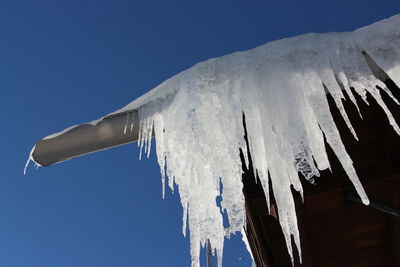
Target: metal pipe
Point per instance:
(111, 131)
(351, 196)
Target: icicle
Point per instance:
(132, 120)
(30, 158)
(334, 90)
(150, 136)
(376, 95)
(184, 218)
(344, 86)
(389, 93)
(126, 122)
(141, 138)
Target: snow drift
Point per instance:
(281, 87)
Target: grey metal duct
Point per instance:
(111, 131)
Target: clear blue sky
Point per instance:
(69, 62)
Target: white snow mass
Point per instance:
(281, 87)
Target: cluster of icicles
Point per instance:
(281, 87)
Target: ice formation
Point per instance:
(281, 87)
